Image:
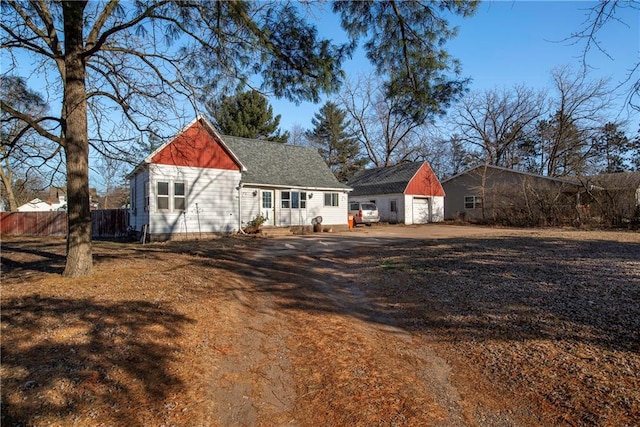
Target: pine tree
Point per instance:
(339, 149)
(614, 149)
(247, 115)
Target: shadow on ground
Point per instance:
(90, 353)
(506, 288)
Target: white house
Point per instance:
(57, 203)
(408, 193)
(203, 182)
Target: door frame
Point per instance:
(270, 211)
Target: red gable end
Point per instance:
(196, 147)
(424, 183)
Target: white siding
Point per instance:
(211, 200)
(383, 202)
(405, 205)
(250, 204)
(438, 209)
(331, 215)
(139, 214)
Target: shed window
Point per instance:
(472, 202)
(331, 199)
(393, 206)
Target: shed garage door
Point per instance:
(421, 210)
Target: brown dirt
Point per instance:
(433, 325)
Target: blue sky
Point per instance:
(512, 42)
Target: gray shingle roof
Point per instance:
(274, 163)
(384, 180)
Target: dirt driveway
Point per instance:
(418, 325)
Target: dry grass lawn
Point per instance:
(503, 327)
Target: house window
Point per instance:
(294, 199)
(163, 196)
(393, 206)
(331, 199)
(285, 198)
(166, 191)
(179, 199)
(472, 202)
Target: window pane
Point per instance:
(286, 195)
(163, 203)
(266, 200)
(178, 189)
(163, 189)
(295, 200)
(285, 204)
(327, 199)
(178, 203)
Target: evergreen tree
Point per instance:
(339, 149)
(615, 151)
(247, 115)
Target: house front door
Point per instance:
(266, 206)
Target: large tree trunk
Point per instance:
(76, 143)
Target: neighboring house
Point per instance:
(491, 192)
(408, 193)
(203, 182)
(55, 201)
(39, 205)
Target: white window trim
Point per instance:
(171, 196)
(334, 196)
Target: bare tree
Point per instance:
(111, 172)
(386, 138)
(578, 107)
(605, 13)
(494, 122)
(26, 158)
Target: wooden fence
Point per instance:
(106, 223)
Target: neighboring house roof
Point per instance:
(391, 179)
(283, 165)
(500, 168)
